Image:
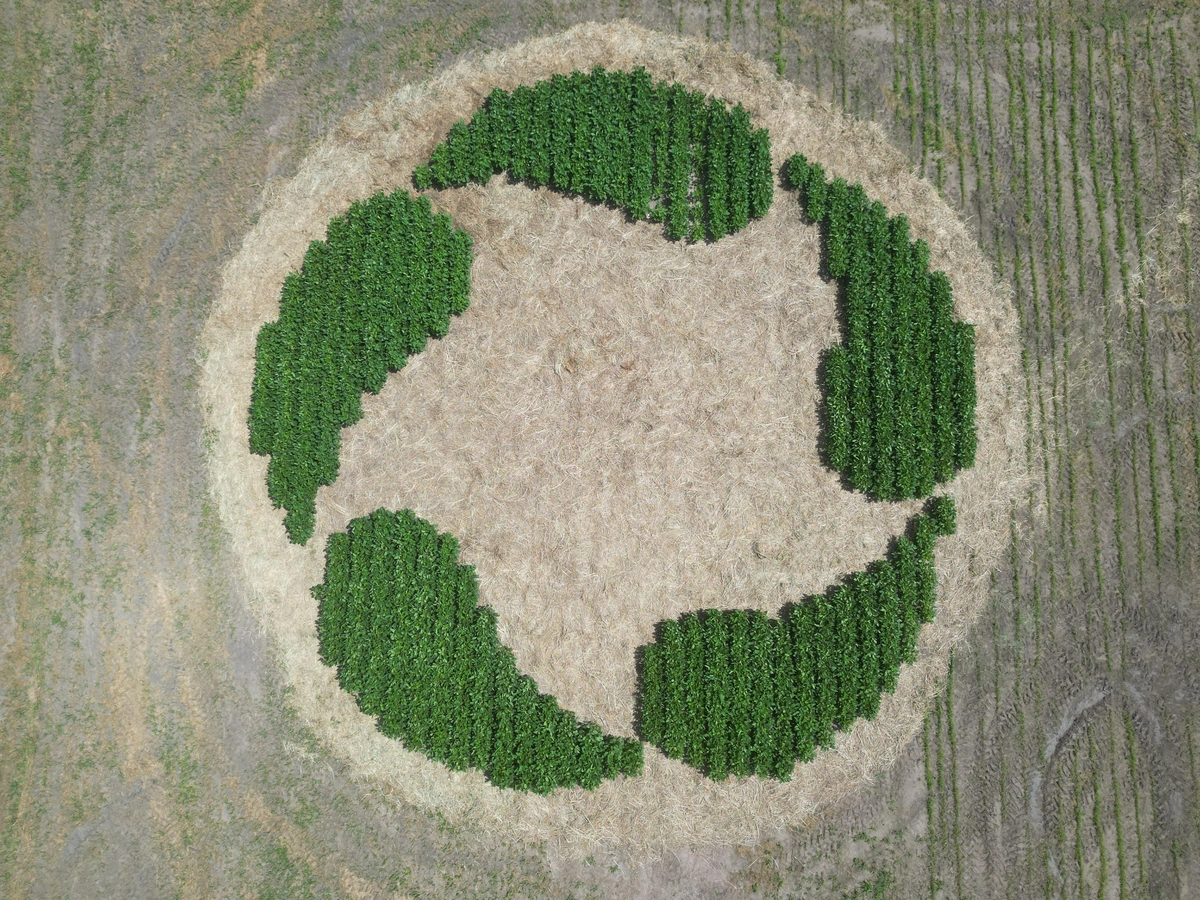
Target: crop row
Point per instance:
(400, 620)
(387, 277)
(736, 692)
(900, 389)
(658, 151)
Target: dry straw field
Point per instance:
(165, 726)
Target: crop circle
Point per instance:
(524, 243)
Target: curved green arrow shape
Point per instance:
(900, 388)
(387, 278)
(400, 619)
(736, 692)
(657, 151)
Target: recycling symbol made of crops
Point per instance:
(726, 691)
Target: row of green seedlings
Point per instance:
(900, 389)
(659, 151)
(387, 277)
(737, 692)
(1025, 263)
(400, 620)
(950, 830)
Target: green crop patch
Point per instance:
(387, 277)
(400, 620)
(658, 151)
(900, 389)
(736, 692)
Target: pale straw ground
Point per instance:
(619, 429)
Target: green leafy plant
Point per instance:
(400, 620)
(387, 277)
(900, 388)
(658, 151)
(738, 692)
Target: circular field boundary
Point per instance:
(670, 805)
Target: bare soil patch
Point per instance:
(619, 429)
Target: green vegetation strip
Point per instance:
(658, 151)
(387, 277)
(900, 390)
(400, 620)
(736, 692)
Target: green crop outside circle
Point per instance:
(727, 691)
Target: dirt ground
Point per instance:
(146, 747)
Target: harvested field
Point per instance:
(149, 743)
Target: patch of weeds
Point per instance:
(305, 813)
(763, 874)
(81, 104)
(16, 111)
(233, 9)
(285, 878)
(876, 888)
(236, 81)
(277, 56)
(445, 826)
(398, 880)
(439, 41)
(173, 754)
(233, 79)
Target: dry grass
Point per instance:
(619, 429)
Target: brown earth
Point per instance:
(146, 742)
